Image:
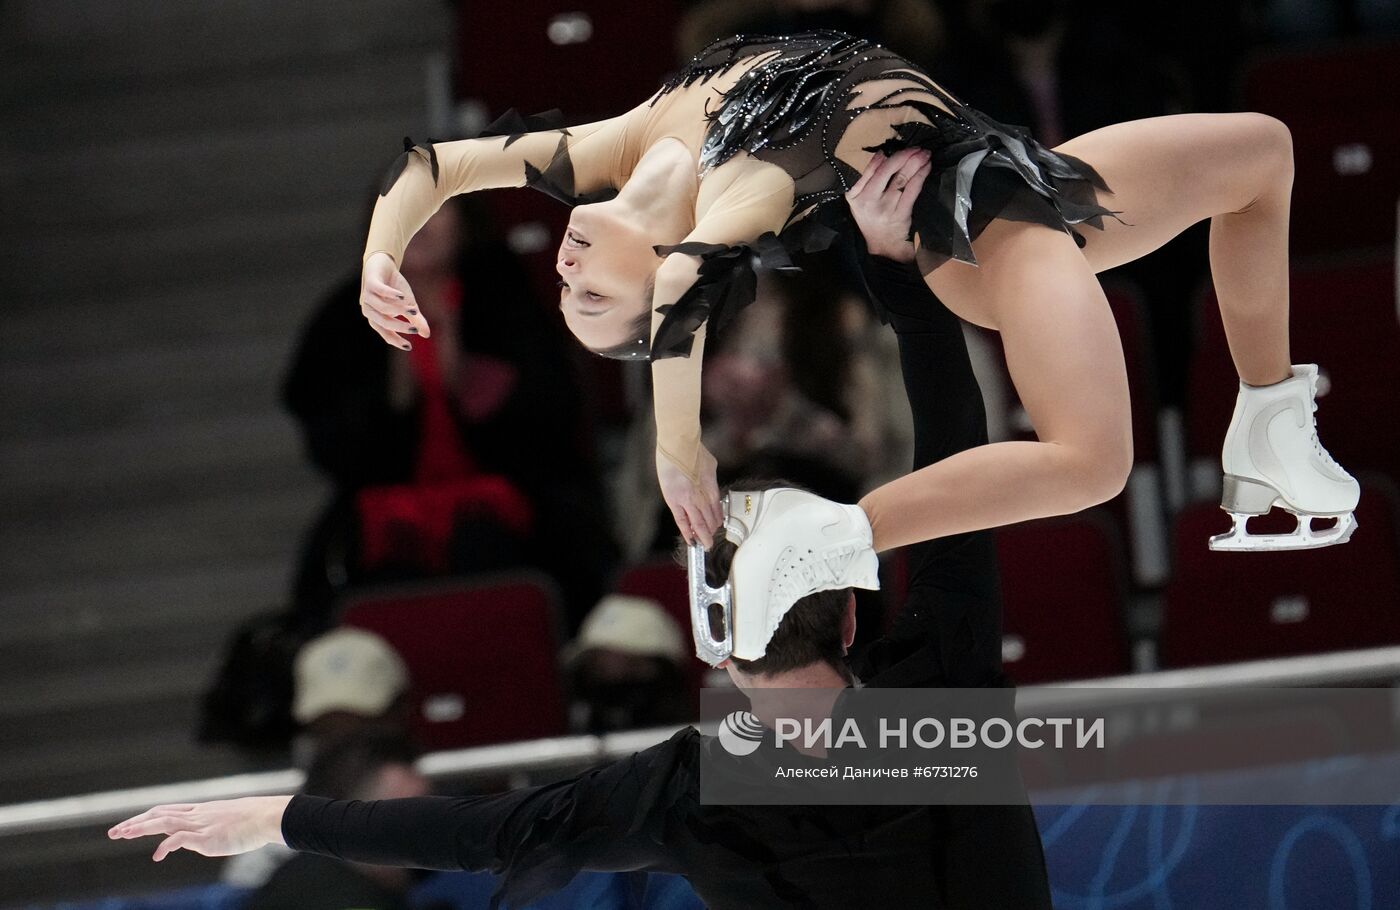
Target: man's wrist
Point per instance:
(276, 808)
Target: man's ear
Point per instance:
(848, 623)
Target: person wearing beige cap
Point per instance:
(624, 668)
(348, 683)
(346, 679)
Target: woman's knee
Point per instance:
(1269, 142)
(1099, 472)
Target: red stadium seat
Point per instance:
(664, 581)
(1062, 586)
(483, 656)
(1343, 318)
(1340, 105)
(1223, 607)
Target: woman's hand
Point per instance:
(220, 828)
(387, 302)
(694, 502)
(882, 201)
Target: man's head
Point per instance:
(815, 633)
(813, 636)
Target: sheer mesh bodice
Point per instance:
(796, 99)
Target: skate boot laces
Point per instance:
(1321, 451)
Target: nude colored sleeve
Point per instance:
(735, 209)
(468, 165)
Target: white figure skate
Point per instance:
(791, 543)
(1272, 457)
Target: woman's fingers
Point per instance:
(701, 524)
(682, 523)
(395, 308)
(393, 339)
(713, 504)
(388, 323)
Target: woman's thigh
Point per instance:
(1062, 348)
(1167, 173)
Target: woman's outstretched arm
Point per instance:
(577, 160)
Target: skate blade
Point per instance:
(1238, 539)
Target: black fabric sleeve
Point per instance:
(949, 629)
(611, 818)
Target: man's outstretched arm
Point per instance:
(597, 820)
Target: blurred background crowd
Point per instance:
(244, 533)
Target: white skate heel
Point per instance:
(1272, 456)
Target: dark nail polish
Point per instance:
(413, 312)
(413, 329)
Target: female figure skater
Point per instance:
(675, 199)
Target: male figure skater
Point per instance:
(644, 813)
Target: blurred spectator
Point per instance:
(912, 28)
(469, 452)
(358, 766)
(1067, 67)
(800, 386)
(624, 668)
(1057, 67)
(347, 681)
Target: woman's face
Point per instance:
(606, 268)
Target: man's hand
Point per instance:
(883, 199)
(220, 828)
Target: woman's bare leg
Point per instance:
(1166, 174)
(1062, 346)
(1066, 360)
